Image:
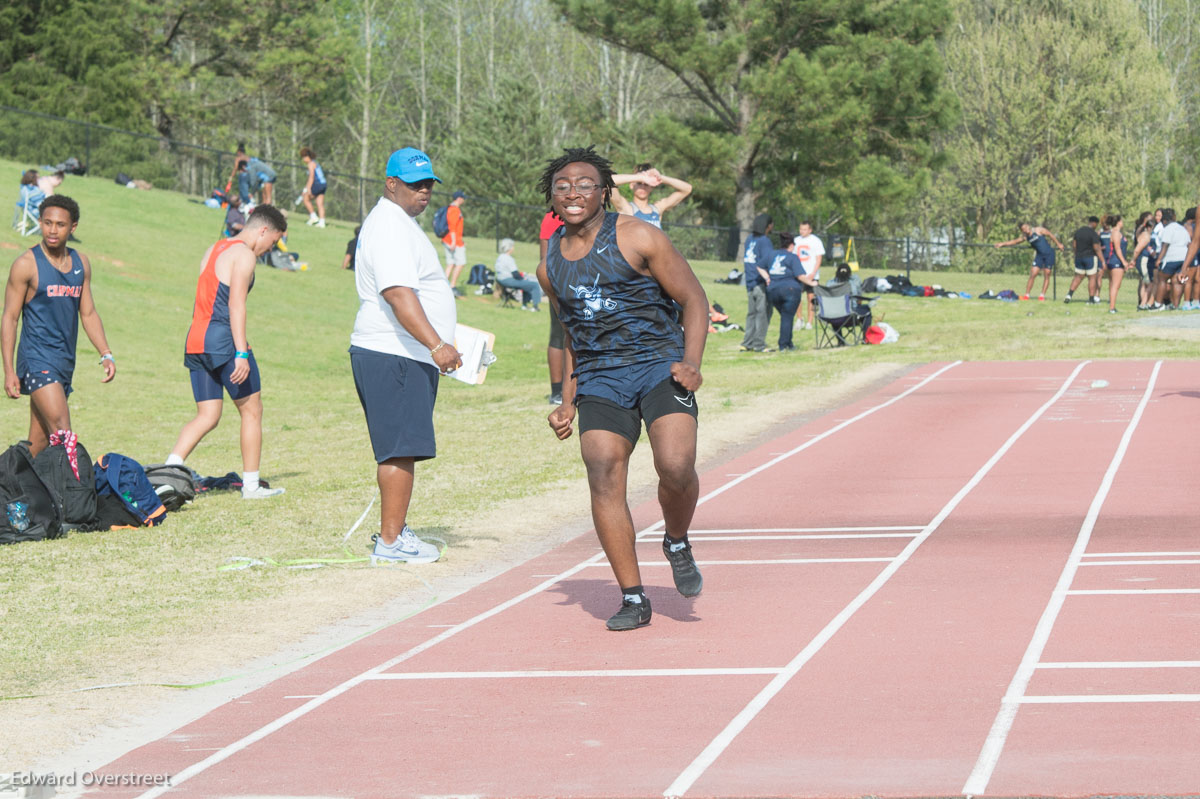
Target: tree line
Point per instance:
(946, 119)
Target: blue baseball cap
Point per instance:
(410, 165)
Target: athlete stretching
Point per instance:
(614, 280)
(1043, 254)
(217, 350)
(50, 288)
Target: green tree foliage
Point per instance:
(1062, 112)
(823, 103)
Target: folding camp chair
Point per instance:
(508, 295)
(838, 320)
(25, 215)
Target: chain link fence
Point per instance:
(198, 170)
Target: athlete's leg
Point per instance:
(1032, 276)
(1094, 284)
(606, 456)
(1046, 280)
(250, 408)
(395, 478)
(1115, 276)
(308, 206)
(208, 415)
(321, 206)
(48, 413)
(673, 441)
(1075, 281)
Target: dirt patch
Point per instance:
(73, 733)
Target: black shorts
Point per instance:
(598, 413)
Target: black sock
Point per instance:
(556, 388)
(635, 593)
(668, 540)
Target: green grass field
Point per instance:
(104, 607)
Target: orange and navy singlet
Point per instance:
(210, 333)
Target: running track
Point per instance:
(983, 579)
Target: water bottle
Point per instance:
(18, 516)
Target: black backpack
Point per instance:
(174, 484)
(78, 496)
(20, 482)
(441, 225)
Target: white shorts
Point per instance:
(455, 256)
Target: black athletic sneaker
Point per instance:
(683, 568)
(631, 615)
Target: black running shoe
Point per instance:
(683, 568)
(631, 615)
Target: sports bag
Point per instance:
(441, 225)
(174, 484)
(123, 477)
(40, 511)
(73, 483)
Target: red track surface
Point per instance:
(983, 579)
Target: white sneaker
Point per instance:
(407, 548)
(260, 492)
(320, 223)
(312, 219)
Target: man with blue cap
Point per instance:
(402, 342)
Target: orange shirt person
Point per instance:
(454, 243)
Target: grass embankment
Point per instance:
(115, 606)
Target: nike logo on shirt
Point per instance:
(77, 272)
(602, 249)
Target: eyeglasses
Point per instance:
(563, 187)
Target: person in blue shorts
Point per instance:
(1175, 242)
(314, 188)
(633, 358)
(1039, 238)
(50, 290)
(1088, 258)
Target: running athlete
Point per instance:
(644, 181)
(314, 188)
(217, 351)
(615, 282)
(50, 288)
(1043, 254)
(1113, 245)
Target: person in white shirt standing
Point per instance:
(1172, 254)
(810, 251)
(400, 346)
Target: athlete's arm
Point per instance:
(655, 255)
(561, 417)
(312, 171)
(89, 317)
(1193, 245)
(1051, 236)
(682, 190)
(241, 270)
(1119, 250)
(16, 293)
(1139, 243)
(411, 316)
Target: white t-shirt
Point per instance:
(394, 251)
(505, 266)
(807, 249)
(1176, 240)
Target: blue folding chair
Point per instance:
(25, 215)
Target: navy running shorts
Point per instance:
(38, 374)
(211, 377)
(397, 396)
(1086, 264)
(319, 188)
(1172, 268)
(600, 413)
(1043, 260)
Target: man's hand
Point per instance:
(241, 370)
(687, 374)
(447, 359)
(12, 385)
(560, 421)
(110, 369)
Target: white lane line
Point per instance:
(831, 530)
(283, 721)
(866, 537)
(650, 564)
(1140, 563)
(522, 675)
(721, 742)
(989, 756)
(1140, 554)
(1129, 591)
(1122, 664)
(1100, 699)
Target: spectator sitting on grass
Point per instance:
(510, 277)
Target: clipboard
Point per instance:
(475, 347)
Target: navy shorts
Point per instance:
(1086, 264)
(1172, 268)
(37, 374)
(1043, 260)
(319, 188)
(598, 413)
(397, 395)
(1114, 264)
(211, 377)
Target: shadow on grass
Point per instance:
(600, 599)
